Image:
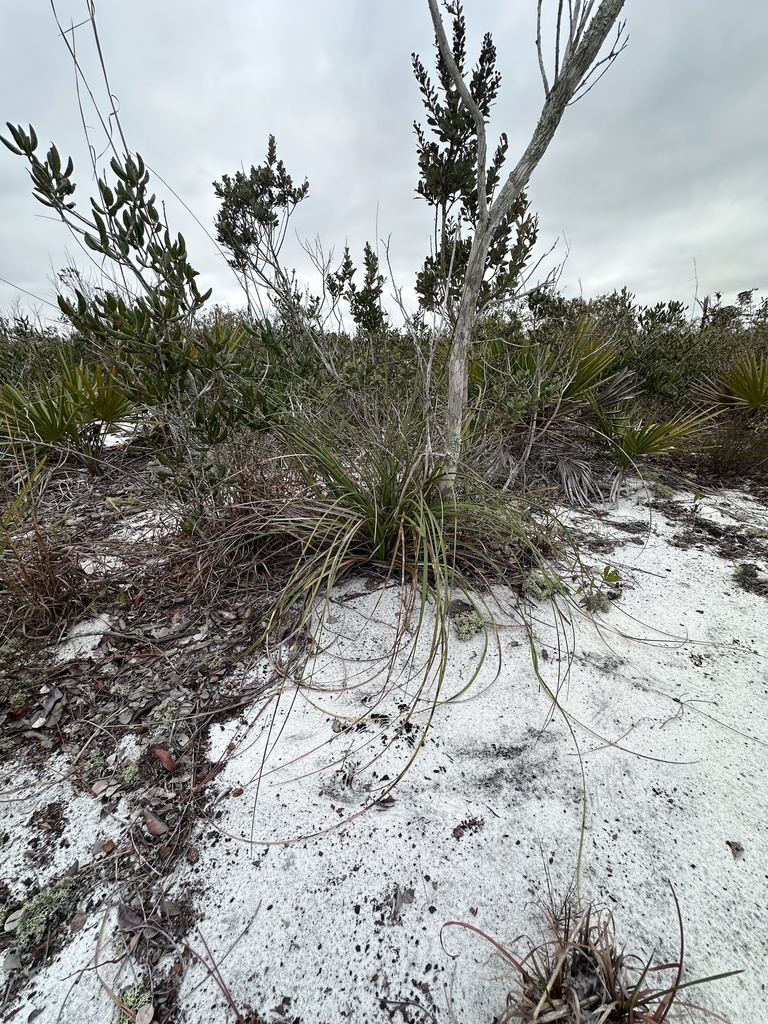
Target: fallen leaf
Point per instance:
(165, 759)
(145, 1014)
(78, 922)
(155, 826)
(12, 962)
(12, 921)
(237, 792)
(108, 847)
(128, 920)
(53, 697)
(400, 897)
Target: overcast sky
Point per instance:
(661, 172)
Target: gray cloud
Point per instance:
(663, 163)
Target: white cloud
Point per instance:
(662, 163)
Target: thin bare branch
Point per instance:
(73, 54)
(558, 30)
(539, 48)
(589, 81)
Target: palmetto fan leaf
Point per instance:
(99, 396)
(46, 414)
(630, 436)
(743, 386)
(591, 360)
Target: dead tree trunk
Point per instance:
(579, 37)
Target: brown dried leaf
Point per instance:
(155, 826)
(165, 759)
(128, 920)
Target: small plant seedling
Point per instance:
(610, 575)
(595, 599)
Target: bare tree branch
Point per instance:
(539, 48)
(569, 79)
(589, 82)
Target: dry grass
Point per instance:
(580, 974)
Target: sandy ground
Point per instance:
(324, 892)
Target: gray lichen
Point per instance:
(132, 999)
(468, 624)
(597, 601)
(51, 904)
(543, 588)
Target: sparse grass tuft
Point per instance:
(580, 974)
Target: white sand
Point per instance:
(308, 893)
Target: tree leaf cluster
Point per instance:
(255, 208)
(448, 180)
(124, 226)
(364, 302)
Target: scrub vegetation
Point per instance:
(306, 439)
